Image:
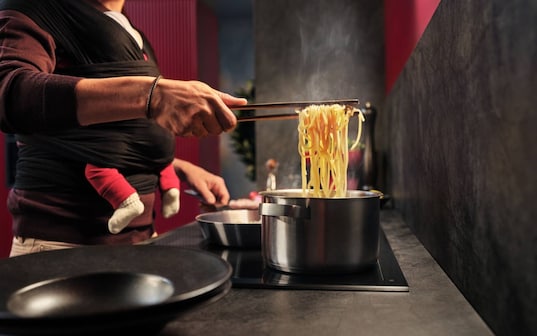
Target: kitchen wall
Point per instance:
(457, 133)
(312, 50)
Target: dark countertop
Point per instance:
(432, 306)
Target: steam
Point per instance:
(324, 45)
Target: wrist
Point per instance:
(180, 166)
(148, 108)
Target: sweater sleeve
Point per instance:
(33, 98)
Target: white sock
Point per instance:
(170, 202)
(129, 209)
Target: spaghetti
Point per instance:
(323, 144)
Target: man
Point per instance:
(69, 69)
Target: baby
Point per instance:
(125, 200)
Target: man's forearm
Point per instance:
(112, 99)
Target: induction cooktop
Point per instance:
(249, 270)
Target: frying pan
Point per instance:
(232, 228)
(92, 293)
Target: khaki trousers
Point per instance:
(21, 246)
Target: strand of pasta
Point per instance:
(323, 143)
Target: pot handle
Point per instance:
(285, 210)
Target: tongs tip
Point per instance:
(294, 104)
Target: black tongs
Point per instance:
(283, 116)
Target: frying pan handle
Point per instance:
(284, 210)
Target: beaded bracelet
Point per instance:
(150, 95)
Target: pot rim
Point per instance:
(297, 193)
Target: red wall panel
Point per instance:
(405, 21)
(170, 25)
(208, 72)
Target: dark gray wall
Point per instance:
(312, 50)
(236, 65)
(461, 126)
(236, 70)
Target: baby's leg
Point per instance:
(129, 209)
(169, 186)
(113, 187)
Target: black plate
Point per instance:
(198, 277)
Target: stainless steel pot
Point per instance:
(301, 234)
